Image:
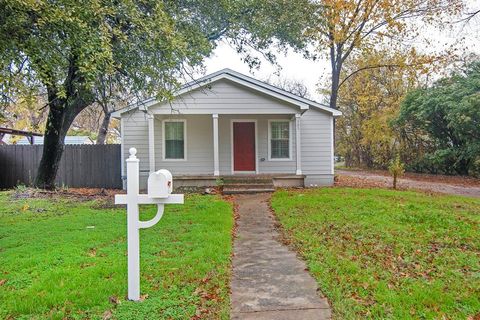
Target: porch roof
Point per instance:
(302, 103)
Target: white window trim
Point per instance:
(232, 121)
(290, 135)
(184, 139)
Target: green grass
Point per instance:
(383, 254)
(56, 267)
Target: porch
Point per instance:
(201, 148)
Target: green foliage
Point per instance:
(62, 259)
(70, 50)
(220, 182)
(396, 169)
(383, 254)
(440, 125)
(369, 100)
(142, 46)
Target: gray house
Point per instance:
(228, 125)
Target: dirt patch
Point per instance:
(465, 186)
(76, 194)
(463, 181)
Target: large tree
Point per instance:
(349, 26)
(64, 48)
(370, 101)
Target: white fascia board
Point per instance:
(283, 92)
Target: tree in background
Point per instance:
(294, 86)
(440, 125)
(91, 121)
(24, 114)
(110, 98)
(370, 100)
(32, 116)
(346, 27)
(65, 48)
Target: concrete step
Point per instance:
(237, 185)
(247, 181)
(227, 190)
(250, 185)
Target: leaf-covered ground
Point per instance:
(61, 258)
(383, 254)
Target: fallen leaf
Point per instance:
(475, 317)
(2, 281)
(92, 252)
(107, 315)
(143, 297)
(114, 300)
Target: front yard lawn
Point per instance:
(65, 259)
(383, 254)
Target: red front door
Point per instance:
(244, 146)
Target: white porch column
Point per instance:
(151, 142)
(122, 153)
(216, 163)
(298, 144)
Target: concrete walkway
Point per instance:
(269, 281)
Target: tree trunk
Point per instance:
(53, 146)
(336, 70)
(61, 114)
(336, 63)
(334, 89)
(103, 130)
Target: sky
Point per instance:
(295, 67)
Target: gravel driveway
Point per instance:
(456, 186)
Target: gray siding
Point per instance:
(316, 137)
(225, 97)
(135, 125)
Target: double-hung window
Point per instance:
(174, 133)
(279, 139)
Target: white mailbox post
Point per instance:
(160, 186)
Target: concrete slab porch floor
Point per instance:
(277, 180)
(269, 281)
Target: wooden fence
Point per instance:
(90, 166)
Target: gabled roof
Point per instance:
(241, 79)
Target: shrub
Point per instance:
(397, 169)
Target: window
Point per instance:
(174, 139)
(279, 139)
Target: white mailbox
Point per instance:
(160, 184)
